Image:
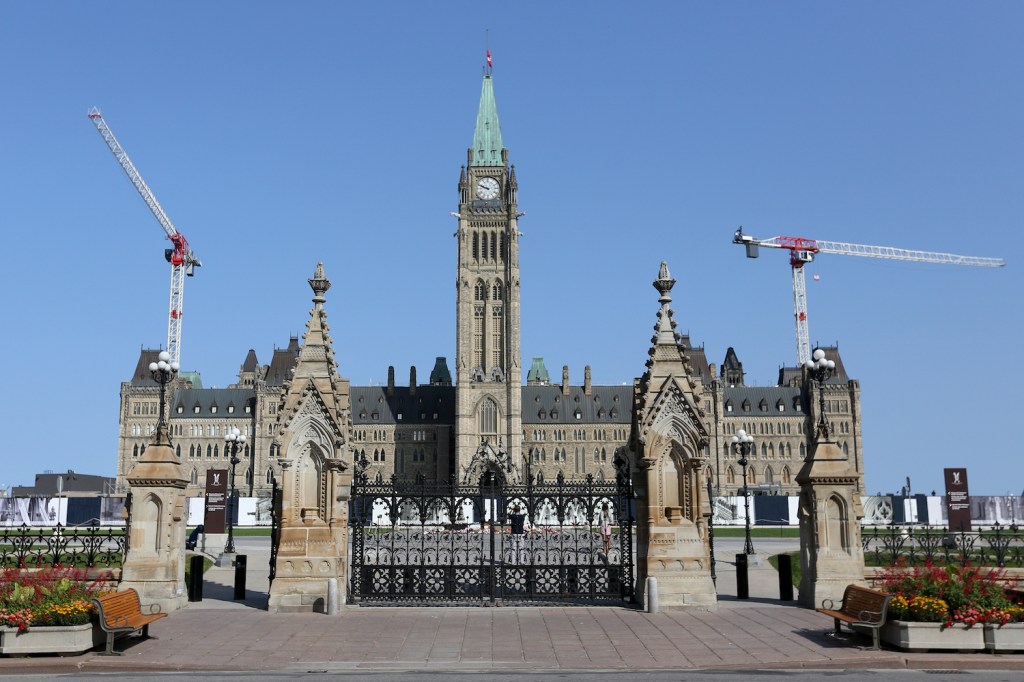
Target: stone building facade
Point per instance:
(435, 428)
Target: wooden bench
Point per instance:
(862, 607)
(120, 613)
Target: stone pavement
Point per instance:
(761, 633)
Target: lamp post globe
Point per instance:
(163, 372)
(233, 440)
(742, 444)
(821, 370)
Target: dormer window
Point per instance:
(780, 406)
(195, 408)
(181, 408)
(231, 409)
(213, 409)
(746, 406)
(728, 406)
(763, 405)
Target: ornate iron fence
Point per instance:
(998, 546)
(429, 541)
(85, 546)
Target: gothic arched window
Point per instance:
(496, 292)
(476, 246)
(483, 245)
(479, 292)
(488, 417)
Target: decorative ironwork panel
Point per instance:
(426, 541)
(83, 546)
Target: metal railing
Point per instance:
(83, 546)
(995, 546)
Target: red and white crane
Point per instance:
(803, 250)
(180, 256)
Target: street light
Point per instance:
(163, 371)
(821, 370)
(233, 440)
(742, 444)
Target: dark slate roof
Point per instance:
(250, 364)
(755, 394)
(418, 408)
(731, 360)
(141, 376)
(547, 405)
(282, 363)
(699, 364)
(207, 398)
(790, 375)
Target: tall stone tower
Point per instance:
(488, 374)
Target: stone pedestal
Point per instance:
(155, 563)
(831, 556)
(307, 558)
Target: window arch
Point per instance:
(785, 475)
(730, 476)
(476, 246)
(270, 475)
(483, 246)
(479, 292)
(195, 476)
(488, 417)
(494, 246)
(248, 476)
(496, 292)
(769, 475)
(803, 451)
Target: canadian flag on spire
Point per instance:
(490, 64)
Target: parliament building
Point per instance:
(434, 428)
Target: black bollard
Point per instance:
(240, 561)
(785, 577)
(195, 582)
(742, 582)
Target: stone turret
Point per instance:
(671, 446)
(313, 438)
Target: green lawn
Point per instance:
(762, 532)
(207, 562)
(795, 563)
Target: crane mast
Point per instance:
(180, 256)
(803, 250)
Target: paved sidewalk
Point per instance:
(218, 634)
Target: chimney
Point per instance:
(412, 380)
(565, 379)
(391, 380)
(586, 380)
(713, 370)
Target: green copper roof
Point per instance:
(487, 136)
(538, 372)
(440, 373)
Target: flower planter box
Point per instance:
(1003, 638)
(66, 639)
(922, 636)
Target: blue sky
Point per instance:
(278, 134)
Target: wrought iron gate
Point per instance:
(427, 541)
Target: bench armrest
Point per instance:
(870, 616)
(154, 608)
(118, 621)
(828, 604)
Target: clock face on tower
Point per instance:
(487, 188)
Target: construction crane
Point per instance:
(183, 261)
(803, 250)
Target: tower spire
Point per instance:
(487, 146)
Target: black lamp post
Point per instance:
(742, 444)
(821, 370)
(163, 371)
(233, 440)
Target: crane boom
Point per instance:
(180, 256)
(803, 250)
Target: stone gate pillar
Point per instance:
(830, 511)
(155, 563)
(671, 438)
(314, 426)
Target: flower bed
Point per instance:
(949, 608)
(53, 601)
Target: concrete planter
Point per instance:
(57, 639)
(1003, 638)
(923, 636)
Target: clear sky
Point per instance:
(281, 134)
